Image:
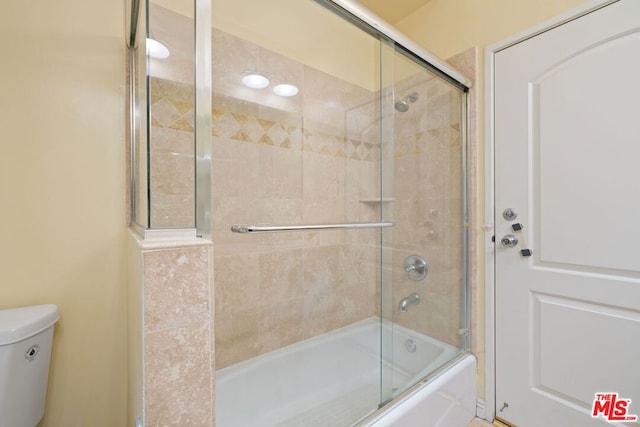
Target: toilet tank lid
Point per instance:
(17, 324)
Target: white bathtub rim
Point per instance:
(238, 369)
(429, 372)
(423, 388)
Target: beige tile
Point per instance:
(323, 177)
(362, 123)
(323, 116)
(320, 314)
(236, 279)
(172, 173)
(232, 56)
(176, 287)
(172, 211)
(342, 93)
(323, 280)
(290, 120)
(235, 178)
(280, 324)
(280, 211)
(177, 380)
(358, 294)
(280, 172)
(237, 336)
(281, 277)
(322, 270)
(171, 141)
(235, 210)
(170, 89)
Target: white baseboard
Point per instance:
(480, 412)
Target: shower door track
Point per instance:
(242, 228)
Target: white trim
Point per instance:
(388, 30)
(480, 409)
(170, 238)
(490, 288)
(489, 260)
(550, 24)
(172, 234)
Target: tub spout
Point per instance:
(414, 298)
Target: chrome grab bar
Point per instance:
(243, 228)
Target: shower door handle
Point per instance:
(243, 228)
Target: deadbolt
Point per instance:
(510, 214)
(509, 241)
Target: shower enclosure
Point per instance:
(336, 202)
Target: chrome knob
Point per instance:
(510, 214)
(416, 267)
(509, 241)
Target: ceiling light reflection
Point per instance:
(285, 90)
(155, 49)
(255, 81)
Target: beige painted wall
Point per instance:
(62, 189)
(448, 27)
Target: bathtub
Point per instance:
(333, 380)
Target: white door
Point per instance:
(567, 159)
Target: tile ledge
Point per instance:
(169, 238)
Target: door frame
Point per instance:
(489, 405)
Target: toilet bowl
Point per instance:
(26, 336)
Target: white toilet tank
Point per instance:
(26, 335)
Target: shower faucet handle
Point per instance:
(416, 267)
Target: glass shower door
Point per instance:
(296, 145)
(424, 324)
(324, 133)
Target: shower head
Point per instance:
(403, 105)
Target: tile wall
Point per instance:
(315, 159)
(308, 159)
(427, 207)
(177, 329)
(171, 149)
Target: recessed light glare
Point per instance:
(255, 81)
(285, 90)
(155, 49)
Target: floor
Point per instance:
(479, 422)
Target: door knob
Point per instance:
(509, 241)
(510, 214)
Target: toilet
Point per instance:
(26, 335)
